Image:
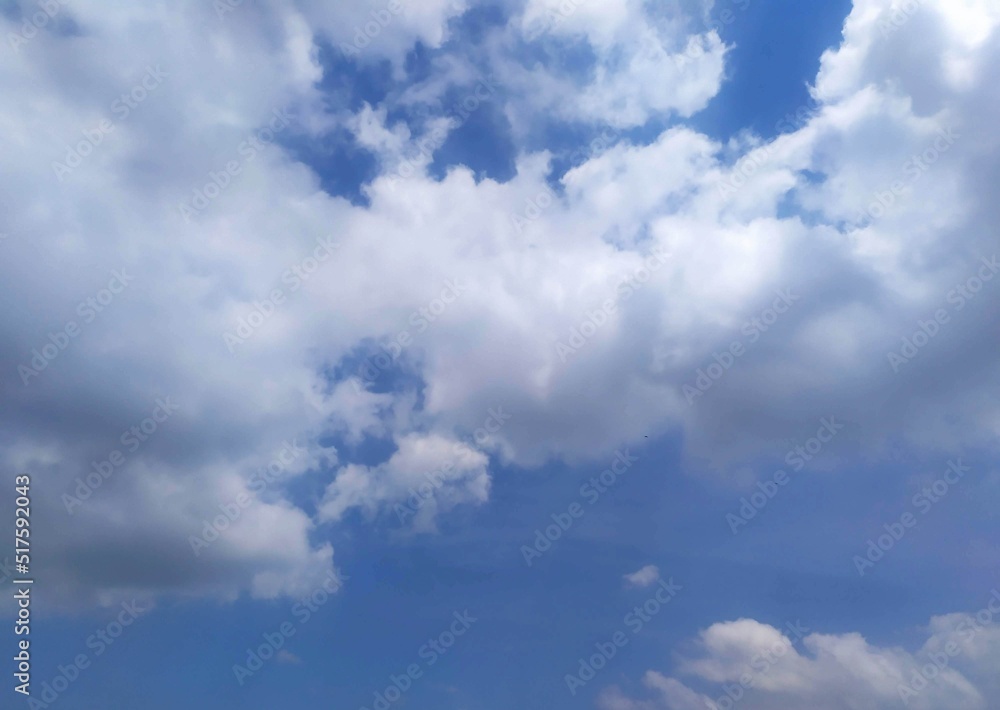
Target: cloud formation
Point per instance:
(650, 260)
(752, 665)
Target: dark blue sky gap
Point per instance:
(777, 53)
(777, 45)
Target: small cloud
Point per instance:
(644, 577)
(287, 657)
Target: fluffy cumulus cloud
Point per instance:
(383, 29)
(164, 241)
(649, 60)
(752, 665)
(426, 475)
(121, 140)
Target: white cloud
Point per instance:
(371, 31)
(648, 63)
(426, 476)
(643, 577)
(758, 667)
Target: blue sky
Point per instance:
(443, 260)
